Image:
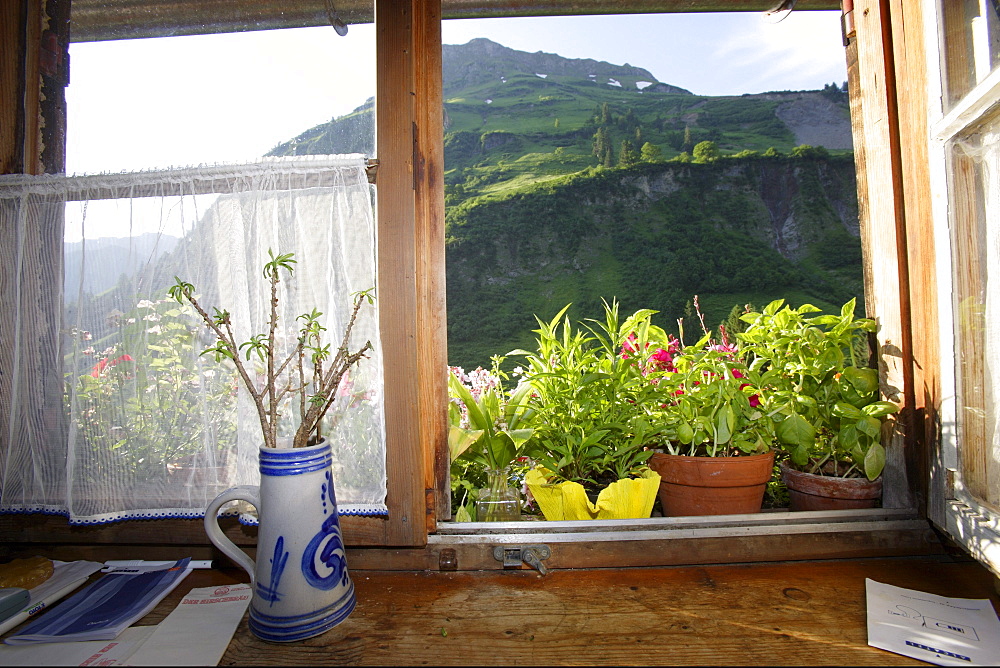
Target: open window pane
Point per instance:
(975, 198)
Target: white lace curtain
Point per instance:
(108, 410)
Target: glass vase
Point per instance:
(499, 501)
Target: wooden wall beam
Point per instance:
(96, 20)
(409, 146)
(432, 319)
(19, 113)
(875, 121)
(910, 69)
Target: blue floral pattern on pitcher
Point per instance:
(278, 561)
(325, 551)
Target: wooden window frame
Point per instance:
(899, 258)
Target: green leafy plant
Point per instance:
(824, 396)
(487, 432)
(308, 376)
(592, 406)
(146, 395)
(487, 423)
(713, 405)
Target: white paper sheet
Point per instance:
(86, 653)
(198, 630)
(938, 630)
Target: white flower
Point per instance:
(152, 317)
(145, 303)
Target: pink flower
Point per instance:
(628, 346)
(663, 359)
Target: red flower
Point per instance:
(108, 363)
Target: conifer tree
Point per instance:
(688, 144)
(627, 156)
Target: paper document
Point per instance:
(88, 653)
(199, 629)
(104, 608)
(938, 630)
(66, 577)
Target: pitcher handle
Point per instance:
(248, 493)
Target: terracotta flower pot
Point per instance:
(712, 485)
(807, 491)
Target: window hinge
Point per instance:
(513, 556)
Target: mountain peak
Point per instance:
(483, 61)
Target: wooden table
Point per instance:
(790, 613)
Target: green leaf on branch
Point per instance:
(874, 461)
(842, 409)
(863, 380)
(880, 409)
(870, 426)
(795, 430)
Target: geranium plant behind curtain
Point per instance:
(109, 410)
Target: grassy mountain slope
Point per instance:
(543, 210)
(653, 236)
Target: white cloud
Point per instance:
(804, 51)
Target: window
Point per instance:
(409, 110)
(964, 88)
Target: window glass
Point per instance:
(975, 199)
(183, 101)
(970, 45)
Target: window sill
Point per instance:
(761, 537)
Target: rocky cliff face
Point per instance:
(816, 120)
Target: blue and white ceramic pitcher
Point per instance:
(300, 583)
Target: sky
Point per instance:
(182, 101)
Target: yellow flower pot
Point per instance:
(629, 498)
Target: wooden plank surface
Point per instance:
(806, 613)
(875, 125)
(909, 59)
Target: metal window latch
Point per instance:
(513, 556)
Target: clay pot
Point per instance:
(807, 491)
(712, 485)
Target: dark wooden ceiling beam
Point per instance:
(102, 20)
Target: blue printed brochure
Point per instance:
(104, 609)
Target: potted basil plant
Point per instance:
(828, 407)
